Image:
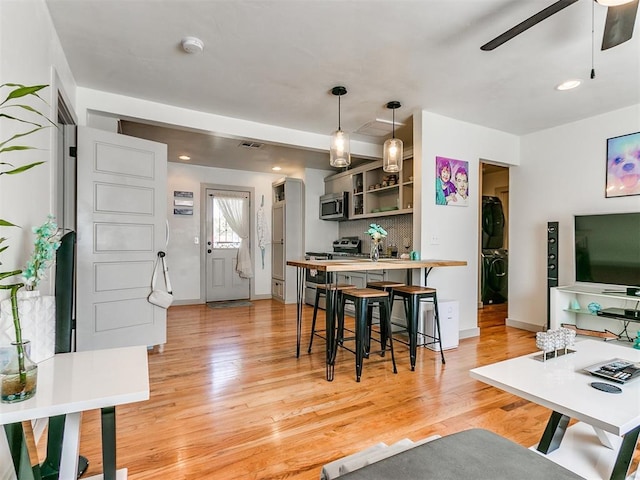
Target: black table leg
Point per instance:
(299, 302)
(331, 342)
(625, 454)
(553, 433)
(108, 418)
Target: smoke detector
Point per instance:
(192, 45)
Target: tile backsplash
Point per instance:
(398, 227)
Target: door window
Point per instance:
(223, 234)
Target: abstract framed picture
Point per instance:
(452, 182)
(623, 165)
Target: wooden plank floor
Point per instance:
(229, 399)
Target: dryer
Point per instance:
(495, 276)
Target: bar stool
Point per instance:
(412, 296)
(386, 286)
(362, 298)
(321, 290)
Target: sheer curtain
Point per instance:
(234, 207)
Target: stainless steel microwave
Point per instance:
(334, 206)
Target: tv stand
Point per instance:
(563, 311)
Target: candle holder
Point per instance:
(555, 343)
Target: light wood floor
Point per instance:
(229, 399)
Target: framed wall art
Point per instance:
(452, 182)
(623, 165)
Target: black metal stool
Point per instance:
(322, 290)
(362, 298)
(412, 296)
(386, 286)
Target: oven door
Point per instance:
(316, 276)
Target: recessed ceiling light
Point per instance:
(569, 84)
(184, 157)
(276, 169)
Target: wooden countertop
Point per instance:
(364, 264)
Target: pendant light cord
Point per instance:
(339, 128)
(393, 124)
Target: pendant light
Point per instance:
(392, 151)
(339, 154)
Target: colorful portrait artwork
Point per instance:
(623, 165)
(452, 182)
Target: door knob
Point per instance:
(209, 251)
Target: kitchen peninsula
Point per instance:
(348, 265)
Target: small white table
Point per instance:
(560, 385)
(71, 383)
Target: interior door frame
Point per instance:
(203, 233)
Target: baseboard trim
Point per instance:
(523, 325)
(469, 333)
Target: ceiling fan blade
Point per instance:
(527, 24)
(618, 27)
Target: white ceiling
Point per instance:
(275, 62)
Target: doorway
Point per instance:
(494, 236)
(65, 165)
(225, 279)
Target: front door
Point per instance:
(223, 282)
(121, 217)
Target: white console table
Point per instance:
(71, 383)
(561, 310)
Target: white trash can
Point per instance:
(449, 324)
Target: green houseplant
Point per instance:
(22, 385)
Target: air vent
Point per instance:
(247, 144)
(378, 128)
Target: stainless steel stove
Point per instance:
(343, 247)
(347, 246)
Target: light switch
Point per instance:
(196, 240)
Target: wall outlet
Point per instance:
(435, 240)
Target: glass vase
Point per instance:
(375, 251)
(19, 376)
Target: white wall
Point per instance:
(562, 174)
(319, 234)
(30, 54)
(456, 228)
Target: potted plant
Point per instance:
(19, 374)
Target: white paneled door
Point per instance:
(223, 281)
(121, 218)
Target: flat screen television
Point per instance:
(607, 248)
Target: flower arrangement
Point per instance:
(46, 243)
(376, 232)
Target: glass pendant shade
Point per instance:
(340, 150)
(339, 154)
(392, 155)
(392, 150)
